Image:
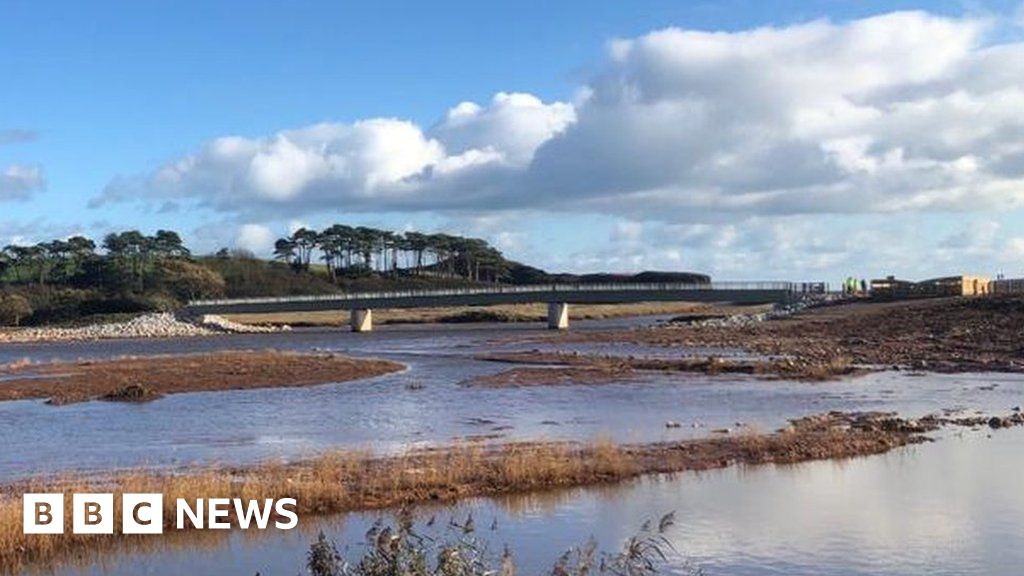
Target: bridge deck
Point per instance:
(742, 292)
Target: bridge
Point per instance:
(558, 297)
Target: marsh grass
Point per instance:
(404, 549)
(350, 481)
(334, 482)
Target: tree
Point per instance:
(19, 257)
(284, 249)
(131, 250)
(167, 243)
(418, 244)
(80, 249)
(366, 241)
(305, 241)
(13, 309)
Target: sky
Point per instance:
(746, 139)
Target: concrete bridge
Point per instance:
(556, 296)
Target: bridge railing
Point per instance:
(507, 289)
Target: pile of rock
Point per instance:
(222, 324)
(780, 310)
(163, 325)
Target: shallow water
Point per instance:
(428, 403)
(952, 507)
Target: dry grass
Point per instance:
(500, 313)
(347, 481)
(335, 482)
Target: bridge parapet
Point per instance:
(555, 290)
(557, 296)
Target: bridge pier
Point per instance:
(362, 320)
(558, 316)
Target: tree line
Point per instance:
(127, 272)
(359, 249)
(131, 254)
(130, 271)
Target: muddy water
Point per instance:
(952, 507)
(428, 403)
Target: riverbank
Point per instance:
(350, 481)
(947, 335)
(148, 378)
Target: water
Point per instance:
(952, 507)
(387, 414)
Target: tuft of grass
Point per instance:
(131, 393)
(403, 549)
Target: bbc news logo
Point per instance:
(144, 513)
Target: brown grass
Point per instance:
(500, 313)
(348, 481)
(146, 378)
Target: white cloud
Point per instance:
(514, 125)
(903, 112)
(256, 238)
(18, 182)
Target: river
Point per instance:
(943, 508)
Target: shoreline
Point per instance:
(352, 481)
(139, 379)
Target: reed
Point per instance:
(349, 481)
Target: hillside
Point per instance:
(64, 281)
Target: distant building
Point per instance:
(1007, 286)
(957, 286)
(891, 288)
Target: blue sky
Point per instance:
(111, 92)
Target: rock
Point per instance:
(162, 325)
(672, 424)
(996, 422)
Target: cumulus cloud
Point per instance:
(18, 182)
(905, 111)
(512, 126)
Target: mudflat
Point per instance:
(147, 378)
(969, 334)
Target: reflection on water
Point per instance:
(948, 508)
(425, 404)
